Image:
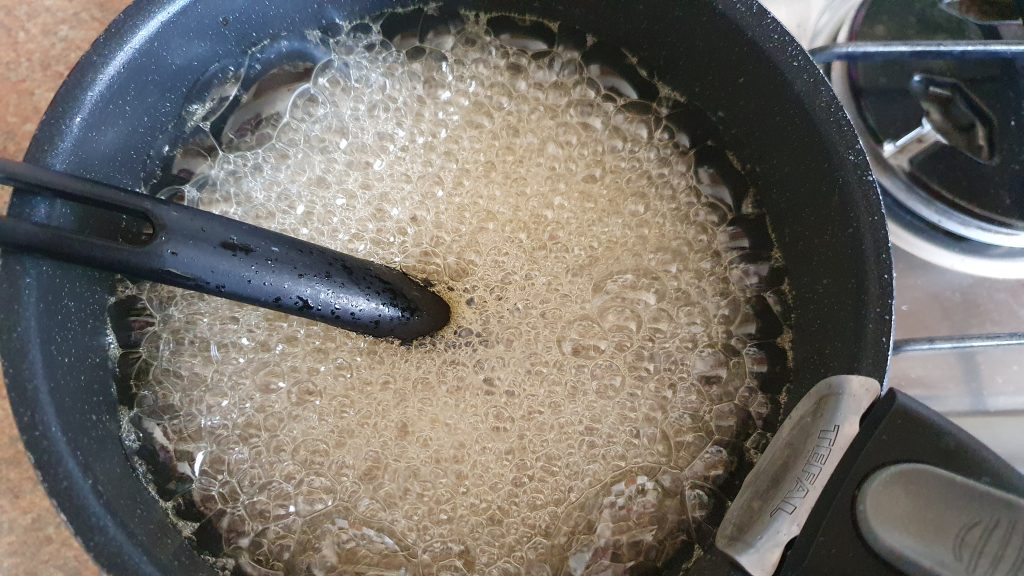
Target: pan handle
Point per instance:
(855, 483)
(961, 502)
(925, 520)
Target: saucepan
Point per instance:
(858, 479)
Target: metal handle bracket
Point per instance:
(779, 493)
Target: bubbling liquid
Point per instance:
(574, 416)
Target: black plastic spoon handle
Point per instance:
(204, 252)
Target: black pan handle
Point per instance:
(201, 251)
(909, 461)
(855, 483)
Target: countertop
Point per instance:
(40, 41)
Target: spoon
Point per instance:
(174, 244)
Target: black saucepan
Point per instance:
(116, 118)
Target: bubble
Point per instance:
(583, 338)
(607, 378)
(270, 380)
(305, 393)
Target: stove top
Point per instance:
(950, 280)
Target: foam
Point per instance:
(572, 417)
